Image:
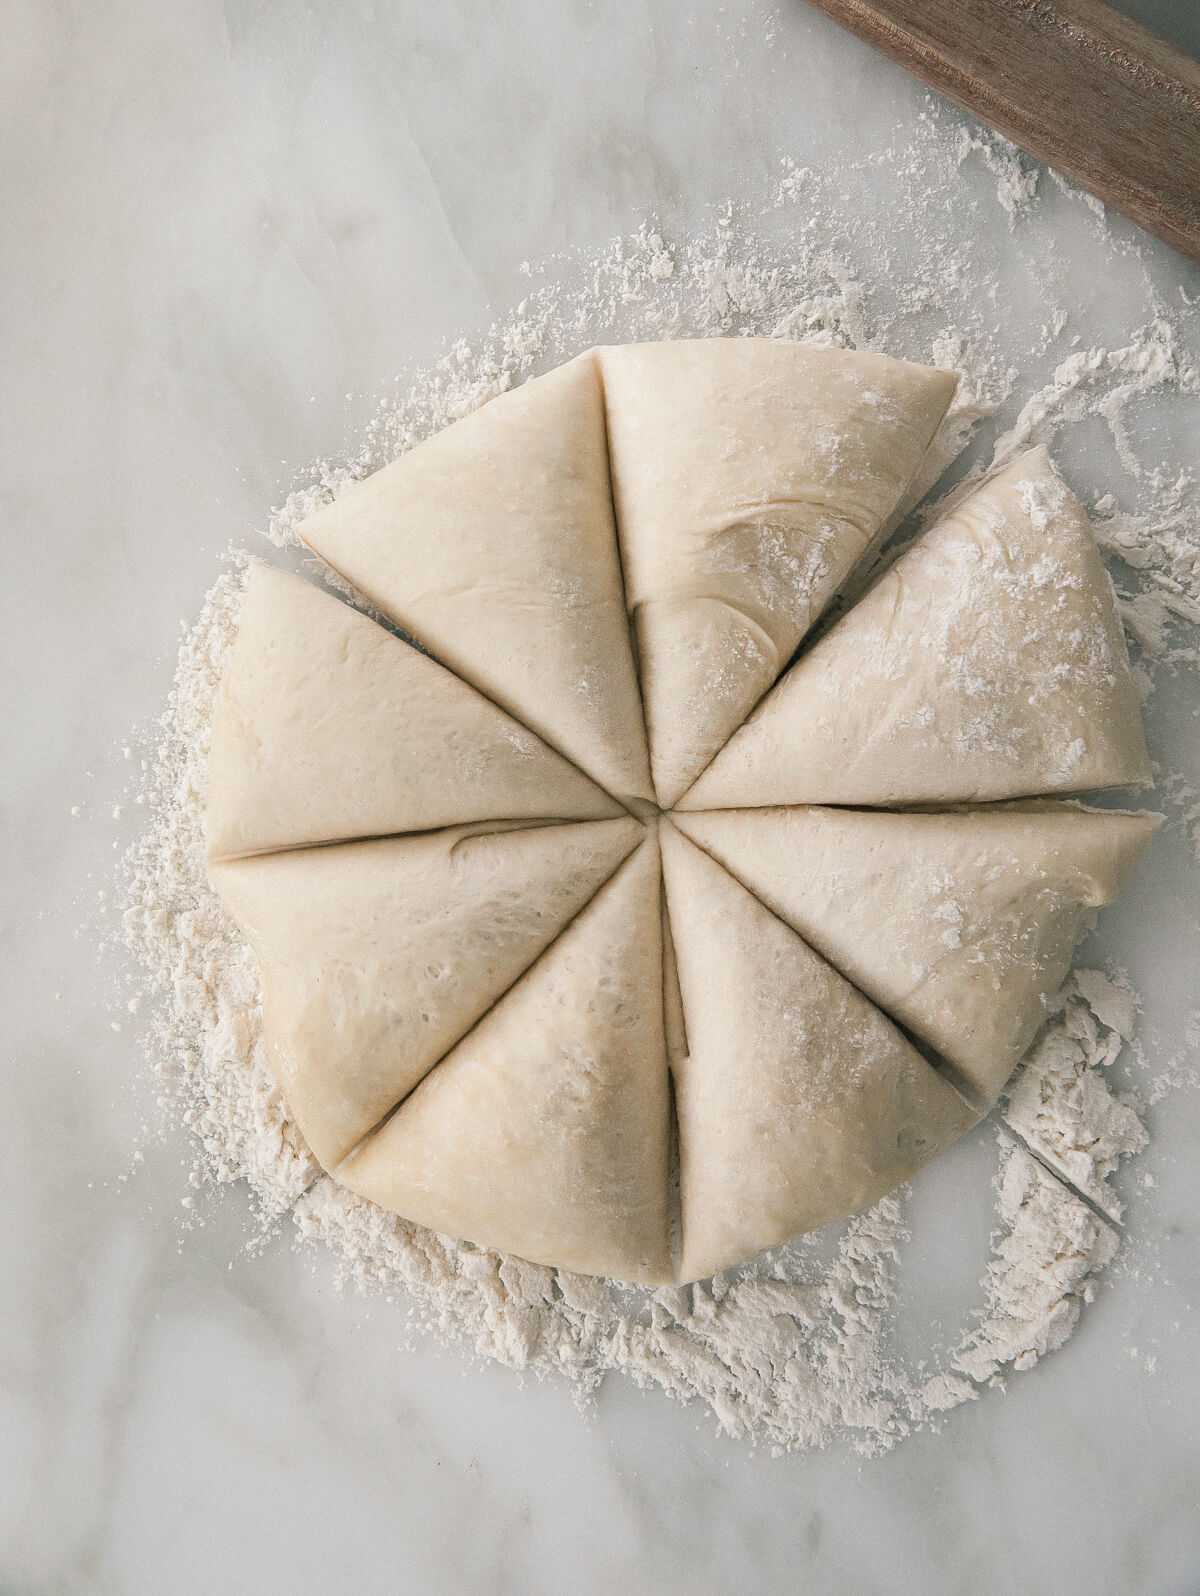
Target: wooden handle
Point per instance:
(1077, 84)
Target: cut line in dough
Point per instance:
(749, 477)
(546, 1130)
(798, 1101)
(959, 925)
(492, 543)
(377, 957)
(327, 728)
(988, 662)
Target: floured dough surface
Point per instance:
(493, 545)
(545, 1131)
(748, 478)
(959, 924)
(798, 1101)
(569, 949)
(988, 662)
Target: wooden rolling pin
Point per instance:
(1077, 84)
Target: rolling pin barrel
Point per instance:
(1076, 83)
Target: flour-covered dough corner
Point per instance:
(988, 662)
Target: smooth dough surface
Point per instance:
(545, 1132)
(798, 1101)
(328, 728)
(377, 957)
(958, 925)
(749, 475)
(988, 662)
(493, 544)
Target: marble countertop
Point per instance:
(227, 227)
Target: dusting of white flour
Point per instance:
(797, 1349)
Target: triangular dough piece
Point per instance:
(378, 956)
(959, 925)
(798, 1102)
(988, 662)
(749, 476)
(545, 1131)
(328, 728)
(493, 545)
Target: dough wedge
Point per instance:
(749, 476)
(959, 925)
(327, 728)
(798, 1102)
(545, 1131)
(988, 662)
(377, 957)
(493, 544)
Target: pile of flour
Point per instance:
(798, 1349)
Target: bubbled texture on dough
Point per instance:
(505, 994)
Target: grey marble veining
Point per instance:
(226, 228)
